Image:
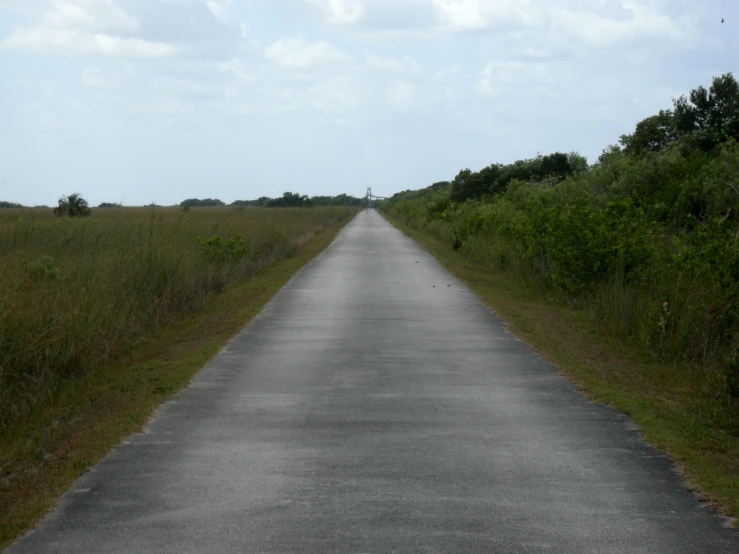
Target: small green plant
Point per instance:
(42, 269)
(233, 250)
(185, 208)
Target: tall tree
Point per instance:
(651, 134)
(709, 116)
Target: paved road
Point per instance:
(375, 407)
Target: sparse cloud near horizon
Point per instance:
(300, 53)
(158, 100)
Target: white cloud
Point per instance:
(137, 48)
(300, 53)
(533, 52)
(340, 12)
(92, 77)
(42, 118)
(401, 94)
(337, 95)
(97, 15)
(486, 81)
(235, 68)
(599, 23)
(43, 39)
(512, 77)
(221, 10)
(19, 5)
(86, 27)
(623, 22)
(406, 64)
(444, 74)
(478, 15)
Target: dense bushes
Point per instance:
(647, 238)
(201, 203)
(258, 203)
(291, 200)
(339, 200)
(496, 177)
(294, 200)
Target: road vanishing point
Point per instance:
(376, 406)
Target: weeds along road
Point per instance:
(376, 406)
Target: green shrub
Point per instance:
(647, 238)
(233, 250)
(42, 269)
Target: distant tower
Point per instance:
(369, 198)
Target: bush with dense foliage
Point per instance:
(340, 200)
(258, 203)
(201, 203)
(294, 200)
(647, 237)
(291, 200)
(72, 206)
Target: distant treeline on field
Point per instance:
(288, 200)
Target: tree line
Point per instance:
(75, 205)
(287, 200)
(646, 236)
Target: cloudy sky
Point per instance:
(160, 100)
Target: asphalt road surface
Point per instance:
(376, 406)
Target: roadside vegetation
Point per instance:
(77, 293)
(643, 245)
(89, 409)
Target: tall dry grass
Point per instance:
(78, 293)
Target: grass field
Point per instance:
(55, 433)
(76, 293)
(665, 402)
